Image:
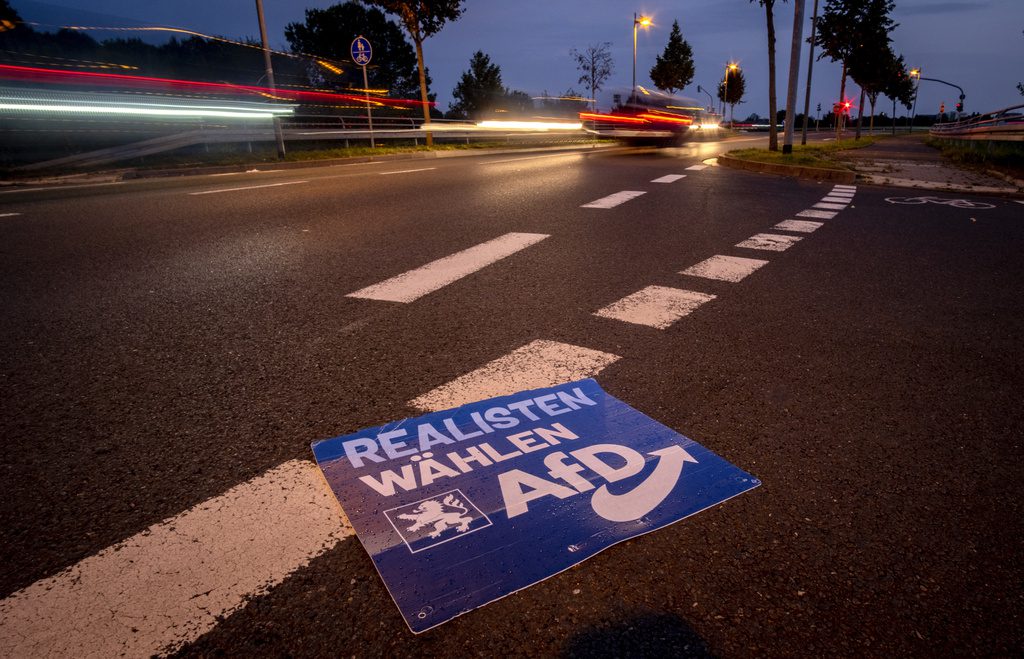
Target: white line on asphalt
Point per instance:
(829, 207)
(547, 155)
(655, 306)
(247, 187)
(62, 187)
(801, 226)
(821, 215)
(841, 194)
(9, 214)
(537, 364)
(408, 171)
(769, 241)
(414, 284)
(171, 583)
(249, 171)
(669, 178)
(845, 188)
(724, 268)
(613, 200)
(833, 198)
(1018, 201)
(697, 168)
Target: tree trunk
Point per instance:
(842, 99)
(423, 86)
(871, 122)
(860, 112)
(773, 133)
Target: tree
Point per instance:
(329, 32)
(422, 19)
(737, 86)
(673, 69)
(479, 89)
(773, 133)
(595, 66)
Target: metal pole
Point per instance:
(810, 67)
(794, 76)
(369, 112)
(913, 113)
(725, 91)
(632, 92)
(278, 134)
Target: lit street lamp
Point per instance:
(731, 66)
(913, 114)
(644, 22)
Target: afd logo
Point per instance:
(436, 520)
(611, 462)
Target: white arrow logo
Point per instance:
(647, 495)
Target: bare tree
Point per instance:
(595, 65)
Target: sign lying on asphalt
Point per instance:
(461, 507)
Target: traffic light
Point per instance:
(959, 107)
(942, 108)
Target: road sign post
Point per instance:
(362, 52)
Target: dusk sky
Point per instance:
(977, 44)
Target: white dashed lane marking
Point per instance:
(655, 306)
(9, 214)
(696, 168)
(829, 207)
(171, 583)
(247, 187)
(801, 226)
(613, 200)
(407, 171)
(821, 215)
(724, 268)
(669, 178)
(537, 364)
(414, 284)
(769, 241)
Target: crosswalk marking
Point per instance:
(537, 364)
(171, 583)
(839, 186)
(836, 199)
(841, 195)
(246, 187)
(769, 241)
(821, 215)
(801, 226)
(669, 178)
(724, 268)
(613, 200)
(414, 284)
(829, 207)
(655, 306)
(697, 168)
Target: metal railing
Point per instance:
(1006, 125)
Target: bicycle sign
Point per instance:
(955, 203)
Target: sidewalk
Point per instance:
(906, 161)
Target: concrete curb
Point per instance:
(799, 171)
(933, 185)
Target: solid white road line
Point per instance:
(655, 306)
(537, 364)
(414, 284)
(821, 215)
(769, 241)
(829, 207)
(669, 178)
(724, 268)
(407, 171)
(801, 226)
(836, 199)
(9, 214)
(547, 155)
(247, 187)
(697, 168)
(613, 200)
(171, 583)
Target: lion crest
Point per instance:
(443, 515)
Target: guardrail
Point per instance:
(1006, 125)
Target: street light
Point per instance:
(913, 114)
(731, 66)
(644, 22)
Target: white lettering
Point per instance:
(359, 448)
(389, 479)
(516, 498)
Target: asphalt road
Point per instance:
(165, 341)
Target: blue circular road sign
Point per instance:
(361, 51)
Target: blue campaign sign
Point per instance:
(361, 51)
(462, 507)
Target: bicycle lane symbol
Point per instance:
(955, 203)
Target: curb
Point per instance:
(889, 181)
(799, 171)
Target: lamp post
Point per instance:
(731, 66)
(710, 97)
(913, 113)
(644, 22)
